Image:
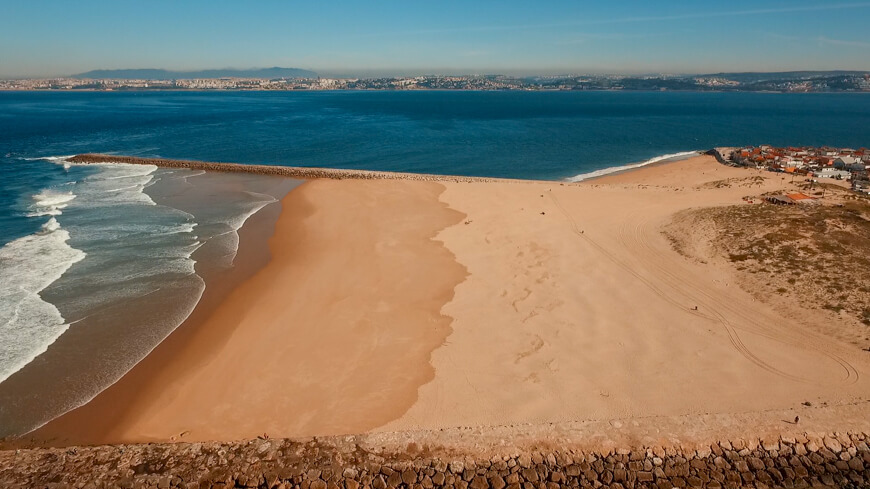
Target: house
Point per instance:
(786, 161)
(845, 162)
(779, 200)
(833, 173)
(800, 198)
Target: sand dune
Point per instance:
(385, 309)
(577, 308)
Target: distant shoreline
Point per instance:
(348, 90)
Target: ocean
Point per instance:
(82, 245)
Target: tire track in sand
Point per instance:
(731, 331)
(675, 282)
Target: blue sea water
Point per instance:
(112, 270)
(539, 135)
(74, 237)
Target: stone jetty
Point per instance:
(808, 460)
(301, 173)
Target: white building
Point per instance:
(833, 173)
(849, 163)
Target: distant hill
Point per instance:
(156, 74)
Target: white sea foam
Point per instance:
(187, 173)
(126, 245)
(127, 182)
(53, 159)
(252, 207)
(28, 324)
(49, 227)
(59, 160)
(237, 220)
(183, 228)
(615, 169)
(135, 248)
(121, 183)
(128, 187)
(50, 202)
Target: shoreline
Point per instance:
(252, 255)
(109, 337)
(313, 173)
(353, 90)
(142, 394)
(619, 170)
(443, 320)
(97, 408)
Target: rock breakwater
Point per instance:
(302, 173)
(810, 460)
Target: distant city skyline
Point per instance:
(387, 38)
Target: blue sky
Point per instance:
(47, 38)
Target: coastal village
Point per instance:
(846, 166)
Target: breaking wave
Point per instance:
(615, 169)
(50, 202)
(28, 324)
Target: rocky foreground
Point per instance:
(811, 460)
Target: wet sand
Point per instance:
(400, 306)
(333, 336)
(88, 423)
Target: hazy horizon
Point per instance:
(51, 38)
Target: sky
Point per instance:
(410, 37)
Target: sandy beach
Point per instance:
(408, 305)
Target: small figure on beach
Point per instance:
(695, 308)
(797, 419)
